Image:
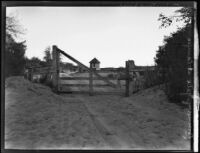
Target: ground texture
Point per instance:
(36, 118)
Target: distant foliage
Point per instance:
(13, 27)
(35, 62)
(184, 14)
(47, 56)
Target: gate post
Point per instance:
(31, 74)
(129, 77)
(91, 91)
(127, 80)
(55, 62)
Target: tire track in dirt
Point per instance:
(116, 126)
(76, 134)
(112, 138)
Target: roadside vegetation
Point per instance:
(172, 58)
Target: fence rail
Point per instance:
(87, 78)
(95, 92)
(85, 85)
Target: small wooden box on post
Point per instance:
(55, 65)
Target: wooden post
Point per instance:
(91, 91)
(55, 66)
(127, 79)
(131, 81)
(31, 74)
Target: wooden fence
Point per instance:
(34, 74)
(91, 83)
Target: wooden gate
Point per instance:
(92, 82)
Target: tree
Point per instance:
(47, 57)
(14, 51)
(184, 14)
(14, 57)
(34, 62)
(13, 28)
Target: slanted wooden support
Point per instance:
(127, 79)
(91, 90)
(55, 62)
(87, 68)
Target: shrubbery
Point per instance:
(46, 81)
(151, 78)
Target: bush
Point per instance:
(171, 59)
(150, 78)
(46, 81)
(14, 57)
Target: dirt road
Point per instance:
(36, 118)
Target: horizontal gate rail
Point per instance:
(87, 78)
(85, 85)
(95, 92)
(74, 78)
(43, 72)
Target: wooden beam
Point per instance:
(55, 63)
(87, 78)
(95, 92)
(44, 72)
(127, 80)
(84, 85)
(43, 69)
(91, 81)
(74, 78)
(73, 59)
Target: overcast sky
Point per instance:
(111, 34)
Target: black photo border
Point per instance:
(5, 4)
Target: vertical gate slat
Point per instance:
(91, 81)
(55, 68)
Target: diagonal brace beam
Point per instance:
(86, 68)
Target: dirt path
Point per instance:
(110, 137)
(137, 123)
(36, 118)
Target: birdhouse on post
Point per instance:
(95, 64)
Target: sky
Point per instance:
(111, 34)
